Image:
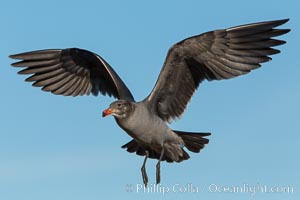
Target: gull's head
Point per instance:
(119, 109)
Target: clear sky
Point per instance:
(60, 148)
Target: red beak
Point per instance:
(106, 112)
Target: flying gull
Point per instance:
(214, 55)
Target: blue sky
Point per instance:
(58, 148)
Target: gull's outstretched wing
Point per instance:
(215, 55)
(72, 72)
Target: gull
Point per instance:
(215, 55)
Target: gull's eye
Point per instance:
(119, 105)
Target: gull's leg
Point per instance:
(158, 166)
(143, 169)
